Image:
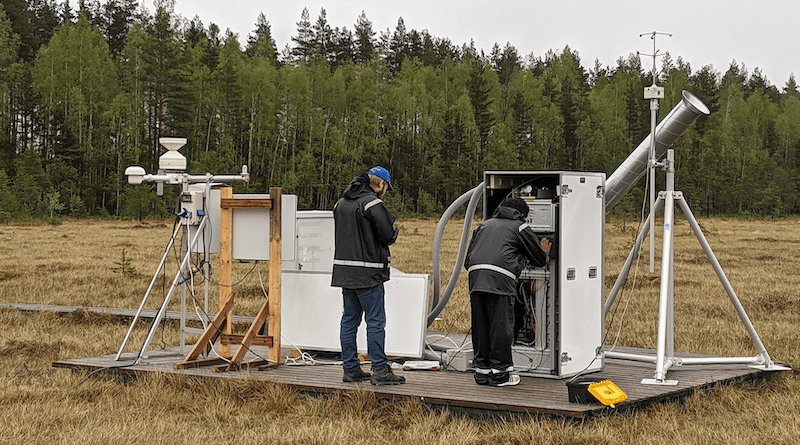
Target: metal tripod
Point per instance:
(183, 274)
(665, 353)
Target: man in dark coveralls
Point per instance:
(364, 229)
(496, 256)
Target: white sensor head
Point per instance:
(135, 174)
(172, 160)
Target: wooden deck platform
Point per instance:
(456, 390)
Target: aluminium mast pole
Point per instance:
(653, 93)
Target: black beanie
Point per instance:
(518, 204)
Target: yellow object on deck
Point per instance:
(607, 393)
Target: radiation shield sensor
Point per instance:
(172, 160)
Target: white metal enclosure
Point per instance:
(312, 311)
(559, 306)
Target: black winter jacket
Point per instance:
(364, 229)
(498, 251)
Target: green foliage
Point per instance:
(8, 202)
(123, 266)
(9, 41)
(426, 206)
(76, 79)
(30, 185)
(140, 202)
(53, 202)
(81, 101)
(77, 208)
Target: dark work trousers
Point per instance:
(492, 331)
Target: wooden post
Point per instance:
(206, 341)
(225, 248)
(270, 310)
(275, 266)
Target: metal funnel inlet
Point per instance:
(668, 131)
(172, 159)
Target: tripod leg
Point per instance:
(147, 294)
(671, 308)
(175, 283)
(666, 279)
(626, 268)
(725, 283)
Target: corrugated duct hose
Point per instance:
(439, 303)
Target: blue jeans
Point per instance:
(368, 302)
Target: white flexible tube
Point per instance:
(438, 304)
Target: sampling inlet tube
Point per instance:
(621, 181)
(668, 131)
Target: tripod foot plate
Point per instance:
(659, 382)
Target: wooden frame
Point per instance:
(220, 326)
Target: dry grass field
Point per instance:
(110, 263)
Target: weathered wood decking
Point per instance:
(455, 390)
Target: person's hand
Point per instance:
(546, 245)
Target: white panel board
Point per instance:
(250, 239)
(311, 311)
(315, 235)
(250, 228)
(581, 271)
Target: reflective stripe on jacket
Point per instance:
(364, 230)
(499, 250)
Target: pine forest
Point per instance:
(86, 92)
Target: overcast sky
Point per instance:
(763, 34)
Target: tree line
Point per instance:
(85, 93)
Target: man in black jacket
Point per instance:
(496, 256)
(364, 229)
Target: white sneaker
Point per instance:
(513, 380)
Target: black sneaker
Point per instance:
(385, 376)
(356, 375)
(482, 376)
(506, 380)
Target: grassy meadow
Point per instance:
(110, 263)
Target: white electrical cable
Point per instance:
(266, 294)
(305, 359)
(205, 321)
(541, 358)
(442, 336)
(632, 290)
(464, 347)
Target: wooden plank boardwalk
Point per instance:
(114, 311)
(451, 389)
